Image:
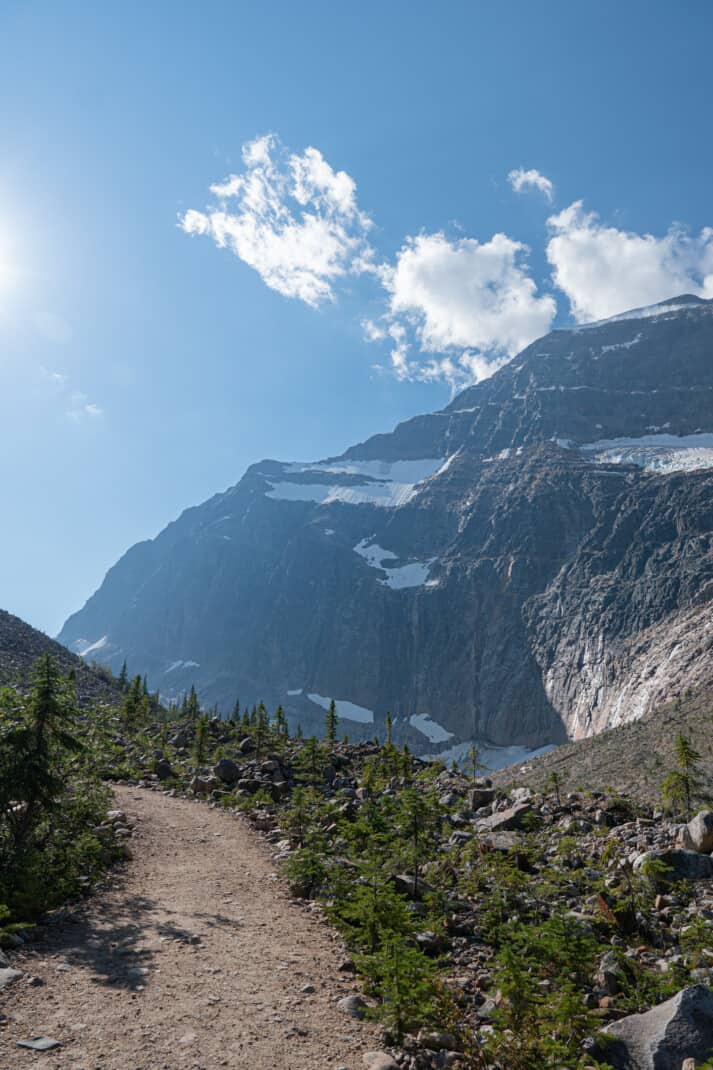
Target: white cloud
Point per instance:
(521, 179)
(292, 218)
(77, 406)
(471, 303)
(604, 271)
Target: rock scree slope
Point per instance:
(196, 957)
(532, 563)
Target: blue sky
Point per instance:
(142, 368)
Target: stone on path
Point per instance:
(379, 1060)
(354, 1006)
(39, 1044)
(8, 976)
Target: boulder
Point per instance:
(227, 770)
(699, 832)
(478, 797)
(379, 1060)
(505, 820)
(682, 865)
(501, 841)
(407, 884)
(203, 785)
(662, 1038)
(8, 976)
(163, 769)
(354, 1006)
(246, 745)
(437, 1041)
(610, 975)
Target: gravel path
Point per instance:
(229, 961)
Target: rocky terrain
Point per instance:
(631, 760)
(20, 648)
(531, 564)
(605, 904)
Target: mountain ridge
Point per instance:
(567, 497)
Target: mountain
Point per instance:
(21, 646)
(631, 759)
(532, 563)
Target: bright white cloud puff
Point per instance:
(292, 218)
(520, 180)
(604, 271)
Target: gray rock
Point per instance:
(8, 976)
(227, 770)
(354, 1006)
(501, 841)
(4, 961)
(379, 1060)
(437, 1041)
(700, 832)
(39, 1044)
(478, 797)
(246, 745)
(506, 820)
(681, 1028)
(681, 864)
(610, 974)
(406, 884)
(163, 769)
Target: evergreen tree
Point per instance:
(193, 706)
(683, 783)
(389, 724)
(124, 677)
(473, 764)
(236, 712)
(309, 762)
(200, 742)
(35, 739)
(262, 725)
(330, 722)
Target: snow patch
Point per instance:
(387, 484)
(296, 691)
(433, 731)
(346, 711)
(622, 345)
(83, 647)
(181, 665)
(655, 453)
(412, 574)
(492, 757)
(648, 312)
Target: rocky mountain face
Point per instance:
(21, 646)
(532, 563)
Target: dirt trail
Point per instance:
(227, 956)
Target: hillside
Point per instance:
(632, 759)
(531, 564)
(21, 646)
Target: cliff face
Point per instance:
(533, 562)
